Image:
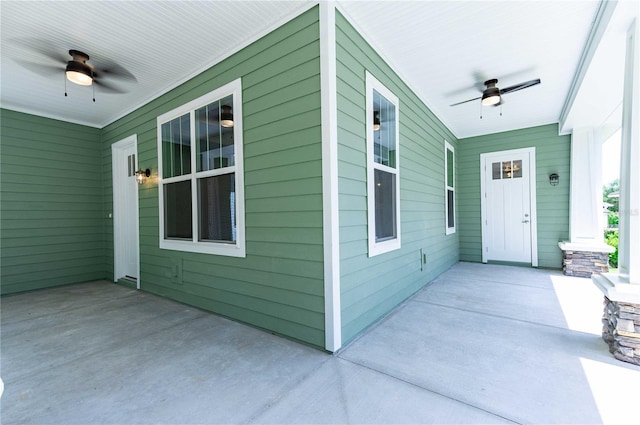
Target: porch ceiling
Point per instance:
(444, 50)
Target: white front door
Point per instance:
(125, 210)
(508, 206)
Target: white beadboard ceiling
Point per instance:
(443, 49)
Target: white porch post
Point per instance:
(585, 205)
(622, 291)
(629, 227)
(585, 253)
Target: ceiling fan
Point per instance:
(78, 68)
(492, 95)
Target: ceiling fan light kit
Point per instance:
(376, 120)
(77, 70)
(226, 117)
(491, 97)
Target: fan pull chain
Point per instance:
(500, 109)
(94, 93)
(65, 85)
(480, 110)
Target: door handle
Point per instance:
(525, 221)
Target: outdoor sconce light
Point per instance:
(226, 117)
(142, 175)
(554, 179)
(376, 120)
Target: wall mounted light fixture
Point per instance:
(142, 175)
(554, 179)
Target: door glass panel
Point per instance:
(517, 169)
(495, 169)
(506, 169)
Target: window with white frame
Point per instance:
(383, 168)
(450, 188)
(200, 176)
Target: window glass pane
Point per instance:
(214, 133)
(384, 138)
(176, 147)
(449, 168)
(177, 210)
(517, 169)
(506, 169)
(385, 201)
(495, 170)
(216, 208)
(450, 208)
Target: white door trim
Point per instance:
(120, 207)
(532, 196)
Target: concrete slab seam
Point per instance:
(413, 384)
(277, 398)
(497, 316)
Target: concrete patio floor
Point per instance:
(481, 344)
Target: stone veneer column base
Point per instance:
(584, 263)
(583, 260)
(621, 330)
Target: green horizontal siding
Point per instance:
(552, 202)
(51, 209)
(370, 287)
(279, 285)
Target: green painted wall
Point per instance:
(553, 155)
(279, 285)
(371, 287)
(51, 192)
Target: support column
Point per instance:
(585, 253)
(586, 188)
(629, 226)
(622, 291)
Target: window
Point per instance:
(383, 176)
(450, 188)
(508, 170)
(200, 185)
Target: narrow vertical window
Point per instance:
(200, 187)
(383, 171)
(450, 188)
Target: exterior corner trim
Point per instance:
(330, 216)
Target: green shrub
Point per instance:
(613, 219)
(611, 238)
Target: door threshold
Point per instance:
(509, 263)
(128, 282)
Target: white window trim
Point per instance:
(237, 249)
(377, 248)
(449, 230)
